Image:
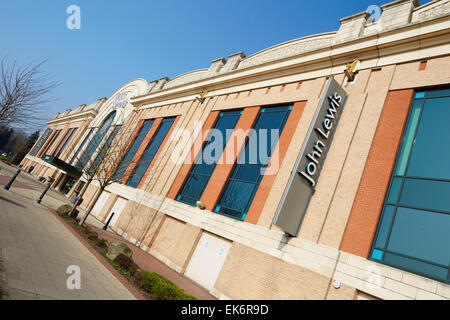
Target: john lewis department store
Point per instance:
(358, 205)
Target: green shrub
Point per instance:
(5, 160)
(126, 264)
(161, 288)
(102, 243)
(92, 235)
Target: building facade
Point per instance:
(357, 206)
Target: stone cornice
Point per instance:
(322, 58)
(73, 117)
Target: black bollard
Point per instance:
(43, 194)
(12, 180)
(107, 223)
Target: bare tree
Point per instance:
(107, 164)
(23, 92)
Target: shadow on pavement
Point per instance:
(12, 202)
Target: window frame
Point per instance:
(386, 202)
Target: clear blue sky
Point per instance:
(123, 40)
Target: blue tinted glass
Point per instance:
(438, 93)
(75, 156)
(431, 152)
(408, 138)
(194, 186)
(104, 150)
(150, 152)
(246, 176)
(51, 143)
(417, 266)
(419, 95)
(377, 254)
(96, 141)
(420, 239)
(237, 195)
(61, 141)
(66, 142)
(427, 194)
(421, 234)
(133, 149)
(395, 190)
(385, 226)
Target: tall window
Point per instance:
(202, 170)
(246, 176)
(50, 143)
(96, 141)
(75, 156)
(150, 152)
(61, 149)
(414, 230)
(61, 141)
(47, 133)
(133, 149)
(103, 152)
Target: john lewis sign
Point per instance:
(309, 164)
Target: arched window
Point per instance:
(96, 141)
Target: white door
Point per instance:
(100, 204)
(207, 260)
(117, 209)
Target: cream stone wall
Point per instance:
(250, 274)
(175, 240)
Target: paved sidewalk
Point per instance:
(28, 187)
(37, 249)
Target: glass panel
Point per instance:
(133, 149)
(438, 93)
(65, 143)
(150, 152)
(68, 185)
(248, 172)
(187, 200)
(194, 186)
(61, 141)
(229, 212)
(421, 234)
(237, 195)
(104, 150)
(47, 148)
(246, 175)
(196, 183)
(75, 156)
(416, 266)
(419, 95)
(395, 190)
(96, 141)
(426, 194)
(431, 152)
(377, 254)
(408, 138)
(385, 226)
